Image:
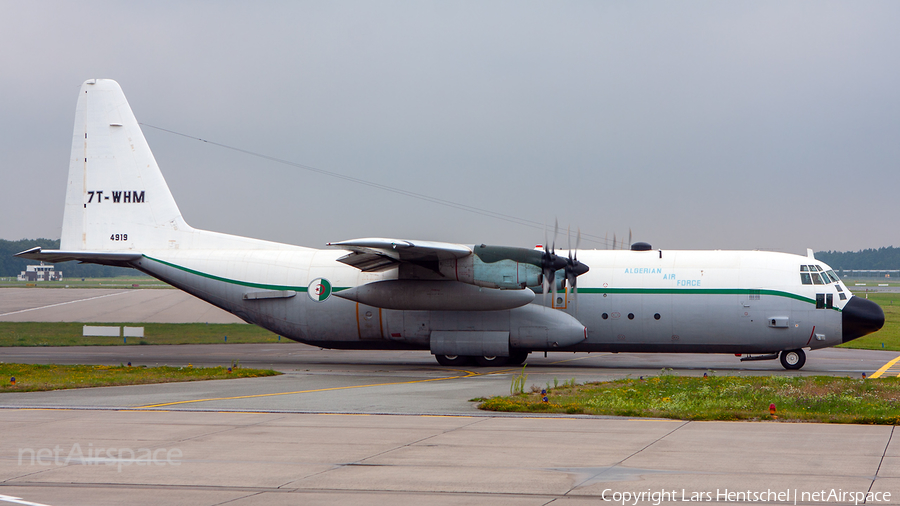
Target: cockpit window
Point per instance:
(816, 275)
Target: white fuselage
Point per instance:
(672, 301)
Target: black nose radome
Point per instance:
(860, 317)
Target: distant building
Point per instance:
(40, 273)
(869, 273)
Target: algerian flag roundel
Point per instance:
(319, 289)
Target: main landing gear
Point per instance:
(793, 359)
(514, 358)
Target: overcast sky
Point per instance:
(720, 125)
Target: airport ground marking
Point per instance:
(576, 358)
(885, 368)
(64, 303)
(19, 500)
(469, 374)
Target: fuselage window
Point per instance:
(804, 277)
(817, 279)
(834, 277)
(838, 286)
(842, 296)
(804, 268)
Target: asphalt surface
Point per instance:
(395, 428)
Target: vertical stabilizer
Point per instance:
(117, 198)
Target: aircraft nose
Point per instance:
(860, 317)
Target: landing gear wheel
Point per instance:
(452, 360)
(517, 357)
(491, 361)
(793, 359)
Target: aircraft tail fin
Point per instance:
(116, 198)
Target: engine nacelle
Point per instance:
(424, 295)
(495, 267)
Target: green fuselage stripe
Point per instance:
(639, 291)
(231, 281)
(701, 291)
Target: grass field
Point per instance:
(889, 335)
(120, 282)
(30, 377)
(69, 334)
(802, 398)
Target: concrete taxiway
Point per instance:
(370, 427)
(348, 381)
(158, 305)
(265, 458)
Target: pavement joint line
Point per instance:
(362, 460)
(885, 368)
(474, 414)
(881, 462)
(406, 445)
(576, 358)
(619, 463)
(241, 498)
(64, 303)
(469, 374)
(293, 490)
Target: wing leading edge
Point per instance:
(378, 254)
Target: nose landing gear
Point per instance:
(793, 359)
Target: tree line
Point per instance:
(886, 258)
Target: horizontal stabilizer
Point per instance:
(121, 259)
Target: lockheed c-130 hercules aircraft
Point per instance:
(464, 303)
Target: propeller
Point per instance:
(550, 263)
(574, 268)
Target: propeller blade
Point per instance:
(629, 237)
(555, 234)
(614, 240)
(575, 296)
(546, 287)
(553, 288)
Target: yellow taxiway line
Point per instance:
(885, 368)
(468, 374)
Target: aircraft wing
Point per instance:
(91, 257)
(376, 253)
